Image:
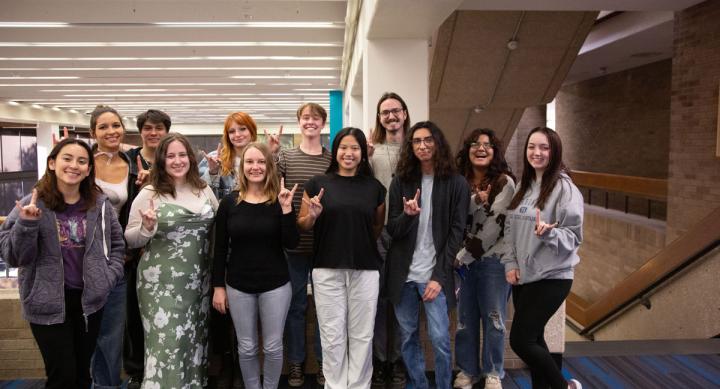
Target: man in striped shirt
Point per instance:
(297, 165)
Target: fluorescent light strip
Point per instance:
(191, 94)
(143, 84)
(40, 78)
(286, 76)
(171, 44)
(253, 24)
(203, 58)
(33, 24)
(72, 69)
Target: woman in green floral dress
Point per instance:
(170, 218)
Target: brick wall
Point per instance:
(694, 171)
(619, 123)
(614, 245)
(19, 355)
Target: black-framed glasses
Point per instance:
(484, 145)
(388, 112)
(428, 141)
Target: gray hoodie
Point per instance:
(553, 255)
(34, 247)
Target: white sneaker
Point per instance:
(464, 381)
(493, 382)
(574, 384)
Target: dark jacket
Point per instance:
(34, 247)
(450, 201)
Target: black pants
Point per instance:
(134, 342)
(535, 303)
(66, 348)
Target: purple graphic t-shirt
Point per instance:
(71, 233)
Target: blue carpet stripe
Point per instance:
(688, 363)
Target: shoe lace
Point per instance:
(295, 370)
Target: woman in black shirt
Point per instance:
(346, 210)
(250, 275)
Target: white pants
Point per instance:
(345, 302)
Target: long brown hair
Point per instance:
(551, 174)
(47, 187)
(227, 154)
(497, 169)
(161, 181)
(271, 188)
(408, 167)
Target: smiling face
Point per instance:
(392, 115)
(239, 136)
(177, 162)
(538, 151)
(311, 123)
(71, 166)
(151, 133)
(108, 132)
(254, 166)
(349, 155)
(481, 152)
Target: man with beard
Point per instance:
(391, 121)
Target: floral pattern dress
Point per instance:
(173, 294)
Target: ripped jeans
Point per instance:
(483, 300)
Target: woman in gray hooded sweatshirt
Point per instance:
(543, 233)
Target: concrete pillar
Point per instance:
(400, 66)
(355, 112)
(44, 143)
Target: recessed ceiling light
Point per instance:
(55, 108)
(73, 111)
(13, 102)
(38, 106)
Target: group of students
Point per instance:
(128, 251)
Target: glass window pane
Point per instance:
(28, 145)
(11, 153)
(11, 191)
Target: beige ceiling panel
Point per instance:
(456, 123)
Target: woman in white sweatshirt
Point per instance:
(544, 231)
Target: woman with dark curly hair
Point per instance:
(484, 291)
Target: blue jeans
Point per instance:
(107, 359)
(299, 266)
(438, 322)
(483, 299)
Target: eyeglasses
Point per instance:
(484, 145)
(429, 141)
(394, 111)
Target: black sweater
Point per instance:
(249, 242)
(450, 201)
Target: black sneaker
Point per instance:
(378, 376)
(134, 383)
(296, 376)
(397, 377)
(320, 377)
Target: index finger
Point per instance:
(320, 195)
(294, 189)
(537, 217)
(282, 182)
(33, 199)
(139, 163)
(417, 195)
(152, 204)
(219, 149)
(488, 188)
(280, 130)
(65, 132)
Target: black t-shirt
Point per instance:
(343, 234)
(255, 235)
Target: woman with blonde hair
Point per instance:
(250, 272)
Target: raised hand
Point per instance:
(370, 144)
(142, 173)
(285, 196)
(273, 140)
(55, 140)
(513, 277)
(149, 216)
(541, 228)
(411, 207)
(30, 211)
(214, 161)
(314, 206)
(482, 196)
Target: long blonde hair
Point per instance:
(271, 188)
(227, 154)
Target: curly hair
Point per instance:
(408, 167)
(497, 169)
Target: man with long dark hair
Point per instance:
(428, 207)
